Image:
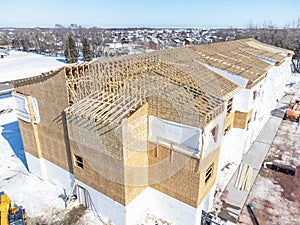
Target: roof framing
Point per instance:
(130, 80)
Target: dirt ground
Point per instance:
(275, 195)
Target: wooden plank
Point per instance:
(238, 176)
(241, 177)
(110, 108)
(249, 178)
(127, 107)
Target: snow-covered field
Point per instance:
(18, 65)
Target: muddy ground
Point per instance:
(275, 195)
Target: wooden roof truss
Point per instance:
(110, 90)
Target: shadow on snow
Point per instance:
(11, 132)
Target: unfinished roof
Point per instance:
(109, 90)
(247, 58)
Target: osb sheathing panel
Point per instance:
(101, 172)
(229, 119)
(167, 110)
(241, 119)
(51, 94)
(135, 135)
(101, 148)
(28, 138)
(53, 146)
(104, 138)
(212, 158)
(174, 174)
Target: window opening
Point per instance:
(214, 133)
(229, 105)
(209, 173)
(78, 161)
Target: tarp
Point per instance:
(182, 137)
(232, 77)
(22, 108)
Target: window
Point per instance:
(209, 173)
(255, 114)
(214, 133)
(78, 161)
(229, 106)
(227, 129)
(254, 95)
(248, 123)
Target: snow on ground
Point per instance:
(225, 175)
(27, 190)
(19, 65)
(150, 219)
(293, 86)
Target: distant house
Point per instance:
(153, 43)
(116, 48)
(188, 41)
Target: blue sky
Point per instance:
(148, 13)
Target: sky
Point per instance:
(148, 13)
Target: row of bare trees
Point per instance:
(54, 41)
(91, 41)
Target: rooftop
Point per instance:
(247, 58)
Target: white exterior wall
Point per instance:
(149, 201)
(34, 165)
(232, 147)
(236, 140)
(168, 208)
(209, 143)
(112, 210)
(242, 101)
(49, 171)
(268, 92)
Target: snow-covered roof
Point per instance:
(19, 65)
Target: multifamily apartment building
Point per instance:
(144, 133)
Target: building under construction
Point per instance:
(144, 133)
